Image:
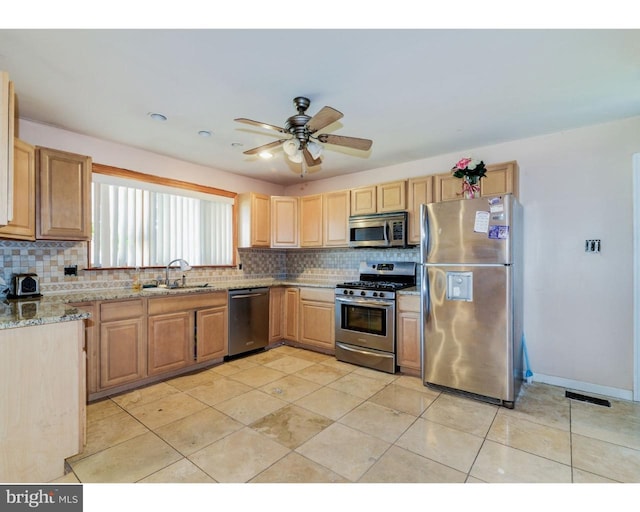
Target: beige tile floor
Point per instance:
(291, 415)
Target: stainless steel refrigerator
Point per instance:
(471, 286)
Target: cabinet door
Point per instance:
(211, 333)
(446, 187)
(500, 179)
(317, 320)
(23, 224)
(7, 120)
(254, 220)
(284, 221)
(311, 221)
(91, 345)
(409, 332)
(363, 200)
(391, 197)
(170, 342)
(276, 314)
(420, 192)
(291, 300)
(335, 210)
(63, 184)
(122, 352)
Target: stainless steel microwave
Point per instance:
(378, 230)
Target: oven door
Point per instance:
(366, 323)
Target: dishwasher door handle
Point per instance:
(247, 295)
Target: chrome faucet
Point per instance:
(184, 266)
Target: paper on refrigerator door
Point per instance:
(481, 225)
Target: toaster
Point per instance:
(25, 286)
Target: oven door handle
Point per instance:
(363, 302)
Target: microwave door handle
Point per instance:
(386, 232)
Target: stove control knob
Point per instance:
(381, 294)
(375, 294)
(346, 292)
(363, 293)
(350, 292)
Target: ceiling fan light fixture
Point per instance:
(315, 149)
(290, 147)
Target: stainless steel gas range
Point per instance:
(366, 314)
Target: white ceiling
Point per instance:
(415, 92)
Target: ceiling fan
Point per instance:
(304, 143)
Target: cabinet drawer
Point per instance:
(161, 305)
(317, 294)
(409, 303)
(120, 310)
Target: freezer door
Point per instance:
(468, 330)
(468, 231)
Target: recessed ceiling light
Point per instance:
(156, 116)
(265, 154)
(204, 133)
(237, 144)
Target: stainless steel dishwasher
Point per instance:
(248, 320)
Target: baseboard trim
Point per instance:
(623, 394)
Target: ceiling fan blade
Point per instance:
(261, 125)
(325, 117)
(264, 147)
(350, 142)
(309, 160)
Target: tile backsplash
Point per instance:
(48, 259)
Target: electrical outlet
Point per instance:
(71, 270)
(592, 246)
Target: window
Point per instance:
(145, 223)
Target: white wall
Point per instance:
(126, 157)
(574, 185)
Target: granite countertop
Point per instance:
(57, 307)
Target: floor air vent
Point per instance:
(585, 398)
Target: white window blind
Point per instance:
(138, 224)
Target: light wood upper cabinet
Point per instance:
(391, 196)
(385, 197)
(7, 121)
(500, 179)
(311, 221)
(23, 224)
(336, 207)
(254, 220)
(363, 200)
(284, 221)
(63, 186)
(420, 191)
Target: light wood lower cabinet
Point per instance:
(317, 318)
(138, 341)
(212, 333)
(42, 410)
(123, 347)
(408, 333)
(170, 342)
(291, 308)
(276, 314)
